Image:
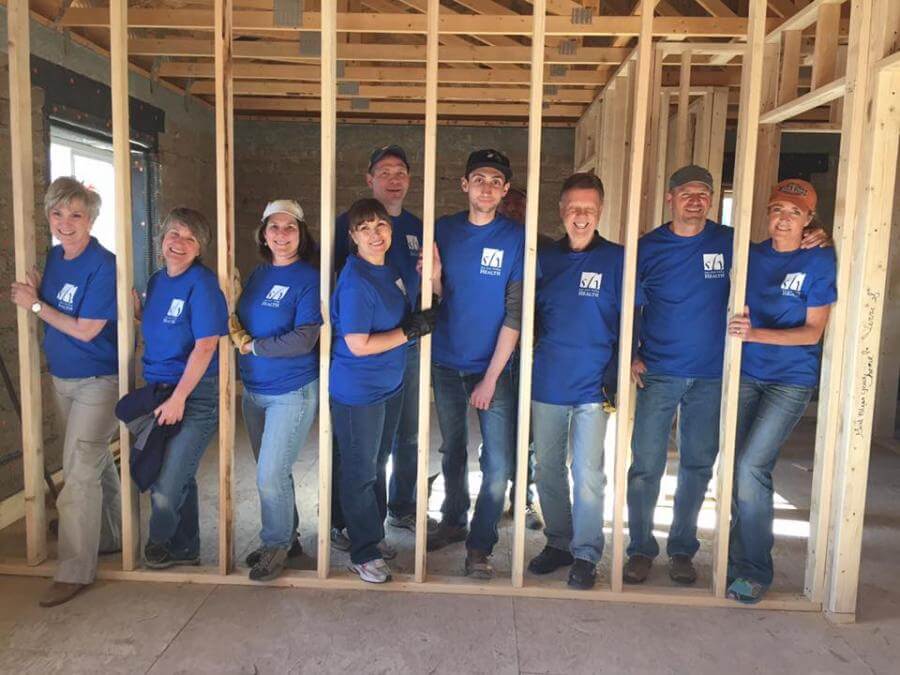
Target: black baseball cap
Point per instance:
(692, 173)
(379, 154)
(489, 158)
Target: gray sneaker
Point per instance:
(407, 522)
(339, 540)
(375, 571)
(269, 565)
(387, 551)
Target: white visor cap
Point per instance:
(288, 206)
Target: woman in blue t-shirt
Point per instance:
(76, 299)
(276, 330)
(790, 291)
(183, 316)
(372, 326)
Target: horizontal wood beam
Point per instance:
(817, 97)
(307, 73)
(406, 107)
(406, 23)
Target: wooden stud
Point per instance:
(768, 148)
(682, 143)
(533, 189)
(751, 93)
(626, 392)
(800, 20)
(717, 145)
(703, 129)
(224, 113)
(118, 58)
(790, 66)
(660, 170)
(328, 122)
(649, 185)
(429, 185)
(18, 48)
(826, 45)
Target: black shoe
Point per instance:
(550, 560)
(158, 557)
(583, 574)
(269, 564)
(533, 518)
(294, 551)
(444, 535)
(637, 569)
(404, 522)
(681, 569)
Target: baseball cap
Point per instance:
(692, 173)
(489, 158)
(288, 206)
(797, 192)
(392, 150)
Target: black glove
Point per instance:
(417, 324)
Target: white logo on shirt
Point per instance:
(491, 261)
(412, 241)
(401, 285)
(793, 283)
(589, 286)
(275, 296)
(714, 265)
(66, 296)
(175, 310)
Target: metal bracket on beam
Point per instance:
(567, 47)
(359, 104)
(288, 13)
(310, 44)
(348, 88)
(558, 70)
(582, 15)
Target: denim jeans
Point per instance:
(581, 531)
(404, 453)
(767, 413)
(365, 434)
(278, 426)
(698, 445)
(452, 390)
(174, 515)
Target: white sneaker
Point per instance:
(375, 571)
(387, 551)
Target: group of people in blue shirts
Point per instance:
(682, 293)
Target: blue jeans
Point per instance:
(278, 426)
(452, 390)
(580, 532)
(365, 434)
(767, 413)
(174, 515)
(698, 445)
(404, 453)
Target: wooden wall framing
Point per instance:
(627, 135)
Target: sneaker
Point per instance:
(407, 522)
(637, 569)
(295, 551)
(158, 557)
(269, 564)
(339, 540)
(477, 565)
(533, 518)
(681, 569)
(387, 551)
(549, 560)
(583, 575)
(60, 592)
(444, 535)
(746, 591)
(375, 571)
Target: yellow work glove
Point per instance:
(239, 336)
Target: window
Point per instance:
(727, 207)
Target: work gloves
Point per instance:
(417, 324)
(239, 336)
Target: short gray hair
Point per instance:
(193, 220)
(66, 189)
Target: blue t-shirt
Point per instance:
(275, 301)
(780, 288)
(178, 312)
(406, 240)
(367, 299)
(579, 297)
(84, 287)
(478, 263)
(685, 282)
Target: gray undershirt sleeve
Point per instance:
(513, 318)
(299, 341)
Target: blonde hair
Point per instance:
(192, 220)
(65, 190)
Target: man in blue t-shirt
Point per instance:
(684, 269)
(477, 330)
(388, 178)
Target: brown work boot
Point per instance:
(637, 569)
(681, 569)
(477, 565)
(60, 592)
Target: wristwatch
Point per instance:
(36, 307)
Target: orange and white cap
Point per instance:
(797, 192)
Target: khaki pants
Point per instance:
(89, 503)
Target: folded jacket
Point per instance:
(135, 409)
